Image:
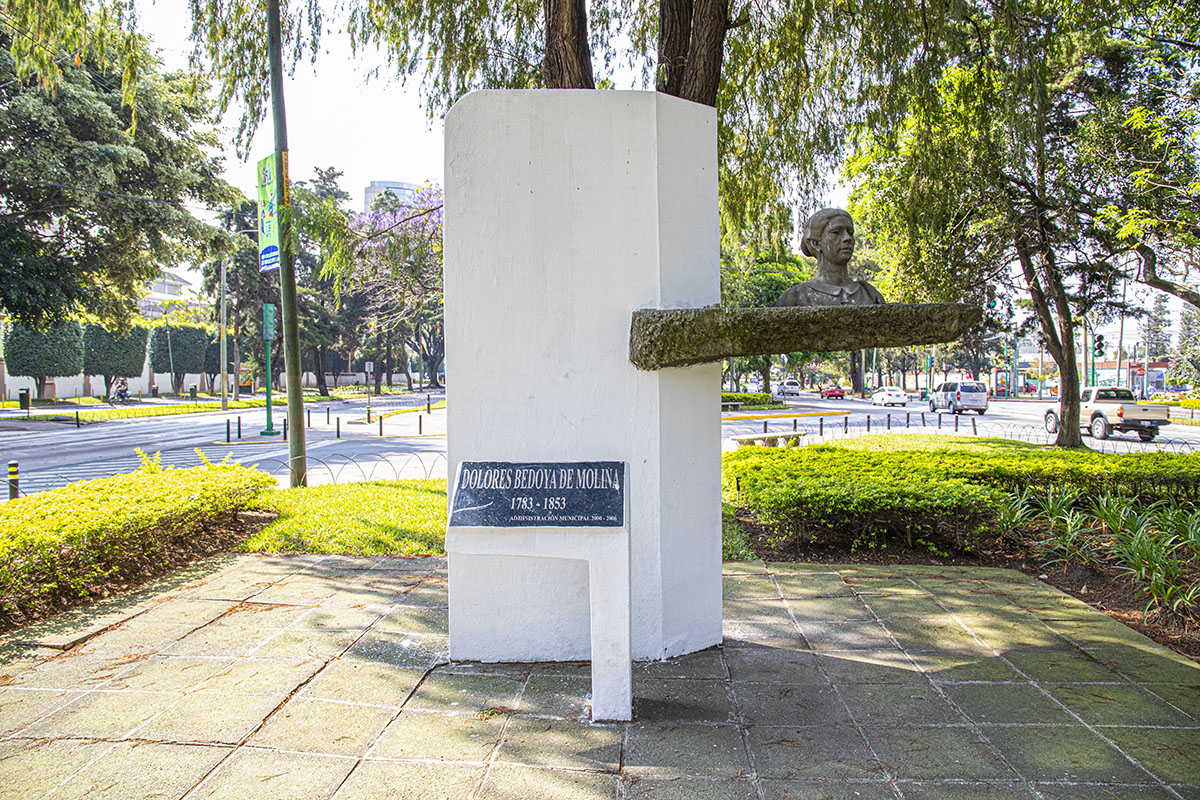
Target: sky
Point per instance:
(375, 131)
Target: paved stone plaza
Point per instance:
(315, 677)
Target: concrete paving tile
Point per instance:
(135, 638)
(758, 610)
(168, 673)
(102, 715)
(811, 753)
(835, 789)
(744, 587)
(904, 606)
(219, 640)
(865, 635)
(704, 664)
(143, 770)
(937, 753)
(459, 693)
(415, 619)
(71, 670)
(1061, 666)
(274, 677)
(430, 591)
(390, 780)
(762, 665)
(752, 567)
(1171, 754)
(793, 706)
(560, 743)
(363, 682)
(186, 611)
(795, 567)
(869, 666)
(409, 563)
(828, 609)
(299, 590)
(265, 616)
(666, 751)
(1007, 637)
(209, 718)
(401, 649)
(1006, 702)
(977, 666)
(235, 587)
(1096, 631)
(22, 707)
(965, 790)
(31, 768)
(900, 704)
(666, 700)
(323, 726)
(1184, 698)
(306, 643)
(1100, 791)
(941, 633)
(1116, 704)
(690, 789)
(416, 735)
(812, 584)
(509, 782)
(568, 697)
(1149, 664)
(777, 634)
(1061, 753)
(271, 775)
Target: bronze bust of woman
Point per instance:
(828, 236)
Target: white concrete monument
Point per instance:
(566, 211)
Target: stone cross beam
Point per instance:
(660, 338)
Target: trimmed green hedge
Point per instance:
(57, 547)
(747, 398)
(937, 487)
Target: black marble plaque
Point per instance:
(570, 494)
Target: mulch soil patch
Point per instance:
(1109, 593)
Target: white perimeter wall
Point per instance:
(565, 212)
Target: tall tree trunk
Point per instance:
(568, 61)
(237, 370)
(318, 357)
(706, 49)
(674, 35)
(378, 365)
(387, 362)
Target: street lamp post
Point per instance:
(224, 346)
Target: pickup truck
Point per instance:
(1104, 409)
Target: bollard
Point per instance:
(764, 426)
(381, 427)
(846, 424)
(239, 426)
(795, 422)
(326, 415)
(956, 423)
(974, 430)
(228, 424)
(76, 419)
(139, 395)
(922, 419)
(285, 429)
(428, 408)
(368, 415)
(309, 423)
(868, 423)
(820, 426)
(13, 481)
(889, 422)
(339, 427)
(939, 416)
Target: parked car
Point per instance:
(790, 386)
(888, 396)
(833, 392)
(1104, 409)
(960, 396)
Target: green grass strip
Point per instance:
(164, 410)
(383, 518)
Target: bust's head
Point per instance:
(828, 236)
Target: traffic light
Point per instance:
(1098, 346)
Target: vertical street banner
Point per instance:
(268, 217)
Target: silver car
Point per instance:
(960, 396)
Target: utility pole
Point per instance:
(224, 346)
(297, 458)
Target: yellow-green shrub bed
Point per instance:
(65, 545)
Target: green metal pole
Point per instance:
(268, 335)
(297, 459)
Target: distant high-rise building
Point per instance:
(402, 190)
